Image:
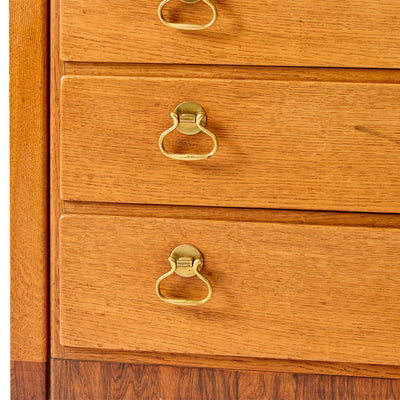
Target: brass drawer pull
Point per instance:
(187, 27)
(189, 118)
(186, 261)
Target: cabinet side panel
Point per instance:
(29, 197)
(28, 166)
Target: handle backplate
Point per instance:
(187, 113)
(186, 252)
(189, 118)
(187, 261)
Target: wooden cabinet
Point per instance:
(311, 292)
(294, 204)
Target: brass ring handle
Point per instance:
(187, 27)
(190, 119)
(187, 266)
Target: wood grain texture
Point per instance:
(86, 380)
(28, 176)
(319, 293)
(241, 363)
(28, 380)
(350, 33)
(56, 204)
(58, 207)
(235, 214)
(298, 145)
(263, 386)
(103, 381)
(234, 72)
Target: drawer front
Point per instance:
(348, 33)
(298, 145)
(323, 293)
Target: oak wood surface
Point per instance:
(319, 293)
(104, 381)
(29, 180)
(350, 33)
(28, 380)
(234, 72)
(282, 216)
(300, 145)
(56, 204)
(86, 380)
(235, 214)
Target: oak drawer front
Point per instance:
(349, 33)
(302, 292)
(297, 145)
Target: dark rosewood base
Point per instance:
(105, 381)
(28, 380)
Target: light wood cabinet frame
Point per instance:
(31, 155)
(29, 204)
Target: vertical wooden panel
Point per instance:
(29, 199)
(56, 205)
(28, 154)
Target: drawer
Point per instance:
(348, 33)
(303, 292)
(296, 145)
